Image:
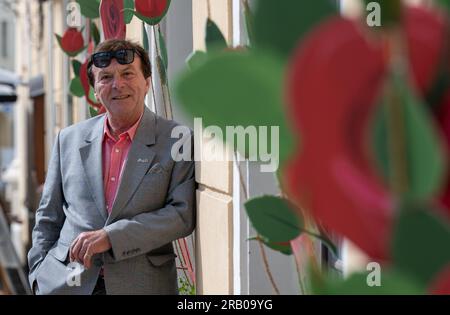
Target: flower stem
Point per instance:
(395, 116)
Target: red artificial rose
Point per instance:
(151, 8)
(425, 33)
(334, 81)
(72, 40)
(112, 19)
(331, 92)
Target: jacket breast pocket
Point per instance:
(156, 168)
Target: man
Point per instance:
(114, 198)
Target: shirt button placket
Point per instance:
(115, 162)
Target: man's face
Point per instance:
(121, 88)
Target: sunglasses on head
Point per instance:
(123, 56)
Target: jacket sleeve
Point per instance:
(49, 216)
(150, 230)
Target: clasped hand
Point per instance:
(87, 244)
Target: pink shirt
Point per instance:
(115, 154)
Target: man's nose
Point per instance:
(118, 82)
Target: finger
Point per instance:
(87, 262)
(76, 248)
(87, 258)
(72, 249)
(83, 251)
(70, 253)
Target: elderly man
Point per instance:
(115, 197)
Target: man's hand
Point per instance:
(88, 244)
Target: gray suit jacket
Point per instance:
(155, 205)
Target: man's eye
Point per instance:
(105, 77)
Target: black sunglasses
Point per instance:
(123, 56)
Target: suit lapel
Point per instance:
(139, 159)
(91, 158)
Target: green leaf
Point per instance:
(92, 94)
(95, 33)
(75, 87)
(420, 242)
(145, 37)
(163, 49)
(273, 218)
(196, 59)
(282, 247)
(280, 25)
(92, 111)
(238, 88)
(391, 282)
(127, 15)
(59, 39)
(89, 8)
(76, 65)
(214, 38)
(425, 158)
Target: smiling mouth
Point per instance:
(121, 97)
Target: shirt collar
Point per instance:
(131, 131)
